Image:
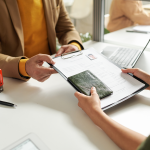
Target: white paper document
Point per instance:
(120, 83)
(142, 28)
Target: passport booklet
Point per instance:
(84, 81)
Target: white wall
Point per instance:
(107, 6)
(145, 2)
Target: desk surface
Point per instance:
(51, 111)
(128, 38)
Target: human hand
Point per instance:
(90, 104)
(66, 49)
(35, 69)
(140, 74)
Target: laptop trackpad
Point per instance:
(107, 51)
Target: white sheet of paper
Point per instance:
(142, 28)
(120, 83)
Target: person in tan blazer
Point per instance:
(125, 13)
(28, 28)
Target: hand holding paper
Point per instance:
(122, 84)
(140, 74)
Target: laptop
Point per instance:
(123, 56)
(28, 142)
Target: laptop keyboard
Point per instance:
(123, 56)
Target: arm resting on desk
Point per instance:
(15, 68)
(125, 138)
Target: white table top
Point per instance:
(128, 38)
(147, 7)
(51, 111)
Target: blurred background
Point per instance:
(81, 14)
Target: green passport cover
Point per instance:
(85, 80)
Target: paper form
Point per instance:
(142, 28)
(120, 83)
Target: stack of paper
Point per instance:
(142, 28)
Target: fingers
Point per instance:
(129, 70)
(134, 71)
(43, 57)
(94, 94)
(79, 95)
(42, 73)
(61, 50)
(46, 71)
(66, 49)
(43, 78)
(35, 69)
(69, 49)
(93, 91)
(53, 71)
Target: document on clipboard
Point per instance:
(123, 85)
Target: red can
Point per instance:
(1, 81)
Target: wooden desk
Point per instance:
(51, 111)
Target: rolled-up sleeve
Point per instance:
(135, 12)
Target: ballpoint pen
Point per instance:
(7, 104)
(133, 31)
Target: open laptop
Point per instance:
(122, 56)
(29, 142)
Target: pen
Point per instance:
(137, 31)
(7, 104)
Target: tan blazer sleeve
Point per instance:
(10, 67)
(135, 12)
(65, 30)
